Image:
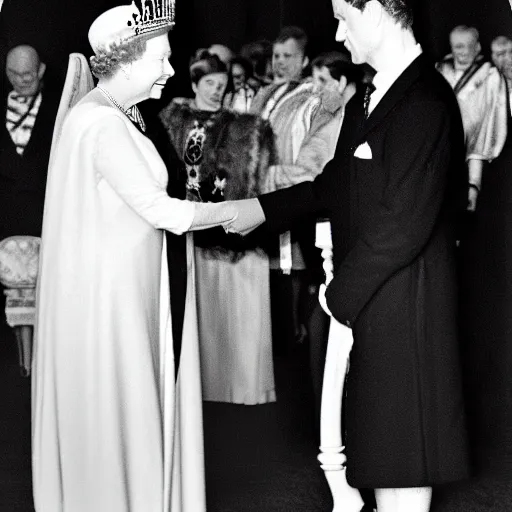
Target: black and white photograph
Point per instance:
(256, 256)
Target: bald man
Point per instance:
(482, 95)
(29, 114)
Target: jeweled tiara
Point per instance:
(152, 16)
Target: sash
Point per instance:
(469, 74)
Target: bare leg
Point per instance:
(414, 499)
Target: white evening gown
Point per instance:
(112, 430)
(234, 328)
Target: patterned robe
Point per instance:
(482, 95)
(306, 126)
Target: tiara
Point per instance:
(152, 16)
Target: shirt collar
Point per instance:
(384, 79)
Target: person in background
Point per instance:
(486, 300)
(226, 155)
(501, 48)
(29, 107)
(306, 124)
(259, 53)
(239, 93)
(501, 51)
(29, 115)
(482, 95)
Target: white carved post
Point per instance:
(332, 458)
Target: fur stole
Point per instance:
(237, 150)
(229, 161)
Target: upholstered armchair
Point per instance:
(19, 263)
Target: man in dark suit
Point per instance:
(28, 116)
(394, 192)
(26, 135)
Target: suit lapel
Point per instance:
(393, 96)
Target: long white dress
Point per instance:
(235, 332)
(112, 430)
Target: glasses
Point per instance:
(28, 76)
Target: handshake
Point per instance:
(249, 215)
(239, 217)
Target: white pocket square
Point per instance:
(364, 152)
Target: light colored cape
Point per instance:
(112, 430)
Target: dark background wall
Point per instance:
(57, 27)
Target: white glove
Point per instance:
(209, 215)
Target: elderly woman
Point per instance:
(112, 429)
(226, 155)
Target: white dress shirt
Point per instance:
(385, 78)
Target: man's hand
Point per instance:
(322, 300)
(343, 330)
(250, 216)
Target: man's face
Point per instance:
(288, 61)
(465, 48)
(153, 69)
(210, 90)
(238, 75)
(502, 55)
(322, 80)
(24, 71)
(356, 29)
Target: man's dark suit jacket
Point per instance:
(23, 178)
(393, 222)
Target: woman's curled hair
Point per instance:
(108, 60)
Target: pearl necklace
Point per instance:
(132, 113)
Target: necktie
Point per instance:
(367, 94)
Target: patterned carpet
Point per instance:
(258, 459)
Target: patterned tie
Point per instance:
(367, 94)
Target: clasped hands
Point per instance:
(249, 216)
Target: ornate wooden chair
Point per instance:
(19, 264)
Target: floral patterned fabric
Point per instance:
(19, 261)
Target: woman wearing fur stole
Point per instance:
(226, 155)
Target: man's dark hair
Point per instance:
(296, 33)
(400, 10)
(338, 65)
